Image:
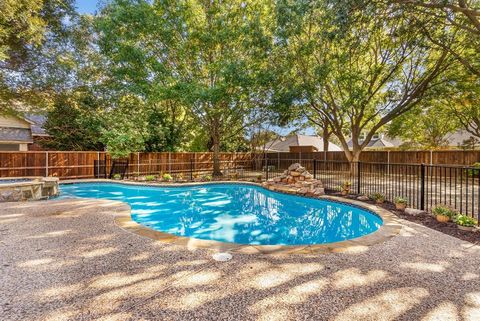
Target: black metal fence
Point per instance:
(423, 186)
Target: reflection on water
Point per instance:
(235, 213)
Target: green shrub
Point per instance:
(117, 176)
(400, 200)
(167, 177)
(378, 197)
(475, 171)
(464, 220)
(444, 210)
(150, 178)
(259, 177)
(207, 177)
(347, 185)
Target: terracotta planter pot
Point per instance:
(442, 218)
(400, 207)
(467, 228)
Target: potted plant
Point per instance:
(466, 223)
(346, 186)
(379, 198)
(443, 213)
(167, 177)
(117, 177)
(400, 203)
(150, 178)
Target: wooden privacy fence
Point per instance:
(68, 165)
(88, 164)
(451, 157)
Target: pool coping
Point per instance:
(391, 226)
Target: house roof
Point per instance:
(283, 144)
(37, 121)
(375, 143)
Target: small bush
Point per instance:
(475, 171)
(464, 220)
(347, 185)
(259, 177)
(207, 178)
(400, 200)
(117, 176)
(150, 178)
(378, 197)
(167, 177)
(444, 211)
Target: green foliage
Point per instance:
(443, 210)
(74, 123)
(425, 127)
(207, 178)
(29, 30)
(464, 220)
(150, 178)
(167, 177)
(117, 176)
(123, 132)
(400, 200)
(352, 64)
(377, 197)
(202, 59)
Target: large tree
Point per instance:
(359, 66)
(29, 30)
(205, 57)
(427, 126)
(442, 21)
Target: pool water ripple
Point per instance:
(238, 213)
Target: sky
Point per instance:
(86, 6)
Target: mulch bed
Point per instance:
(428, 220)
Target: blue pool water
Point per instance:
(237, 213)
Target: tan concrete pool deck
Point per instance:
(69, 260)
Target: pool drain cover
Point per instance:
(222, 257)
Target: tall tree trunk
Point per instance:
(216, 155)
(326, 137)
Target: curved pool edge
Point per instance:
(391, 227)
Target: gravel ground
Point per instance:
(67, 260)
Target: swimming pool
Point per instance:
(238, 213)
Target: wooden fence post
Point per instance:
(46, 164)
(138, 163)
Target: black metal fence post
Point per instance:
(358, 178)
(266, 169)
(422, 187)
(315, 169)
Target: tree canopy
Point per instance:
(199, 75)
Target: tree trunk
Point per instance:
(216, 156)
(354, 159)
(326, 137)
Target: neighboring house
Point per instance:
(298, 143)
(378, 141)
(21, 133)
(382, 141)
